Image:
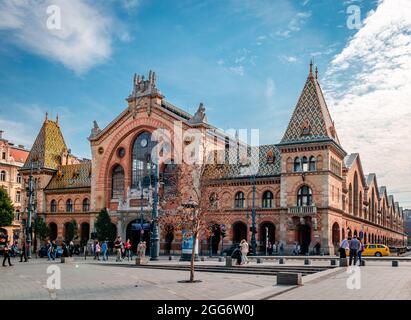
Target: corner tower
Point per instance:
(311, 171)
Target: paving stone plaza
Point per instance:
(90, 280)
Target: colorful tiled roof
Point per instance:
(48, 147)
(71, 177)
(262, 161)
(311, 120)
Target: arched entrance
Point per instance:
(263, 235)
(84, 233)
(135, 236)
(52, 231)
(239, 232)
(304, 236)
(215, 238)
(66, 231)
(336, 235)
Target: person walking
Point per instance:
(104, 249)
(244, 251)
(49, 250)
(6, 254)
(274, 249)
(23, 252)
(54, 249)
(355, 246)
(343, 246)
(97, 251)
(127, 248)
(281, 248)
(360, 252)
(296, 250)
(117, 246)
(71, 248)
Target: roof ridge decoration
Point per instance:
(48, 147)
(143, 88)
(311, 119)
(200, 116)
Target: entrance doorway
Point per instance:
(304, 237)
(239, 232)
(215, 238)
(263, 235)
(135, 236)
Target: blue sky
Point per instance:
(246, 60)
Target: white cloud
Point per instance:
(239, 70)
(83, 41)
(289, 59)
(368, 87)
(294, 25)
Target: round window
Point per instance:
(121, 152)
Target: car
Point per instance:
(43, 252)
(373, 250)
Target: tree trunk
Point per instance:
(193, 257)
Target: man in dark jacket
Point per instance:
(355, 246)
(6, 254)
(23, 253)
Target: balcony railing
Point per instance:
(303, 210)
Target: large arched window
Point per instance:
(350, 198)
(304, 163)
(117, 182)
(356, 204)
(268, 199)
(239, 200)
(3, 176)
(86, 205)
(69, 205)
(304, 196)
(141, 168)
(312, 164)
(53, 206)
(297, 164)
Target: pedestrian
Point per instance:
(104, 250)
(269, 248)
(97, 251)
(355, 246)
(244, 251)
(317, 248)
(71, 248)
(296, 250)
(360, 252)
(127, 248)
(342, 249)
(281, 248)
(6, 254)
(23, 252)
(49, 250)
(274, 248)
(117, 246)
(54, 249)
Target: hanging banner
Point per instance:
(187, 242)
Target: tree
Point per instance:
(72, 231)
(104, 227)
(6, 209)
(41, 229)
(194, 213)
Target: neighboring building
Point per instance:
(407, 214)
(12, 158)
(308, 189)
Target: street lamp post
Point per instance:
(155, 236)
(30, 191)
(253, 214)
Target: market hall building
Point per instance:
(308, 188)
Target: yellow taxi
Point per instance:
(377, 250)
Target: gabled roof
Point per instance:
(350, 159)
(370, 178)
(48, 147)
(234, 168)
(71, 177)
(311, 120)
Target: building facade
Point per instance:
(308, 189)
(12, 158)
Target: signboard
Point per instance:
(187, 244)
(137, 226)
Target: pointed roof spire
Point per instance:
(311, 120)
(47, 117)
(57, 120)
(316, 72)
